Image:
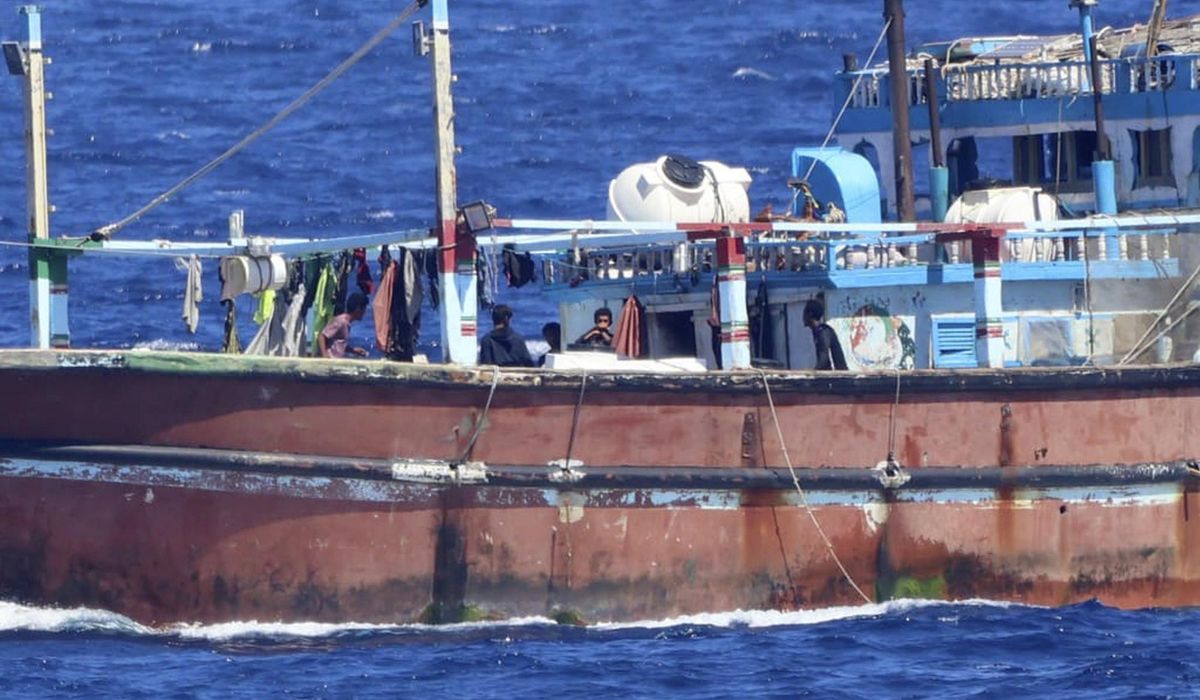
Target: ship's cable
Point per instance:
(108, 230)
(575, 421)
(804, 497)
(487, 406)
(850, 96)
(1137, 349)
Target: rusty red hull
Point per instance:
(269, 490)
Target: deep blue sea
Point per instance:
(554, 98)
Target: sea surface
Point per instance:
(554, 98)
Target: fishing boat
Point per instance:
(1012, 423)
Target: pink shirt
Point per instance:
(337, 334)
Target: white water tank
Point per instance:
(677, 188)
(1009, 205)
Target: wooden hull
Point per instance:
(175, 487)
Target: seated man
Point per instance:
(599, 335)
(503, 346)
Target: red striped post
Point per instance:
(989, 307)
(731, 285)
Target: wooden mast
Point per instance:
(456, 263)
(37, 181)
(893, 10)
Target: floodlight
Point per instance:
(477, 215)
(14, 57)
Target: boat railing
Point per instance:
(1024, 81)
(848, 253)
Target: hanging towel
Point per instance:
(283, 335)
(193, 293)
(323, 303)
(266, 306)
(628, 341)
(381, 307)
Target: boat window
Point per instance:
(1060, 161)
(1152, 158)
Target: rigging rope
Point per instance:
(800, 490)
(487, 406)
(575, 422)
(850, 96)
(108, 230)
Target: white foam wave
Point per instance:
(226, 631)
(202, 47)
(778, 618)
(381, 214)
(752, 73)
(14, 617)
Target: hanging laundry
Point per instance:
(518, 267)
(628, 340)
(381, 307)
(266, 306)
(363, 273)
(429, 262)
(193, 293)
(284, 334)
(323, 304)
(762, 337)
(405, 312)
(233, 344)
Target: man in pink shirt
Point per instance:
(333, 339)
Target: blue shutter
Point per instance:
(954, 343)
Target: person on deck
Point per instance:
(333, 340)
(829, 350)
(503, 346)
(599, 335)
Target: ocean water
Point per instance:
(554, 98)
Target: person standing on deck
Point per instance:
(829, 349)
(503, 346)
(332, 341)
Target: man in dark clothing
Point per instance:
(503, 346)
(829, 350)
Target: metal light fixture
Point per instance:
(14, 57)
(477, 215)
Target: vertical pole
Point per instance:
(893, 10)
(456, 264)
(1104, 179)
(37, 183)
(989, 306)
(939, 176)
(731, 284)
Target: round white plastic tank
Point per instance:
(1022, 205)
(248, 275)
(674, 188)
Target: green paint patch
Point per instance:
(567, 616)
(436, 614)
(912, 587)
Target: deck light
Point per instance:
(478, 216)
(14, 57)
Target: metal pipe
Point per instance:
(893, 12)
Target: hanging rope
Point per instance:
(575, 421)
(1137, 349)
(891, 450)
(466, 453)
(803, 497)
(850, 96)
(108, 230)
